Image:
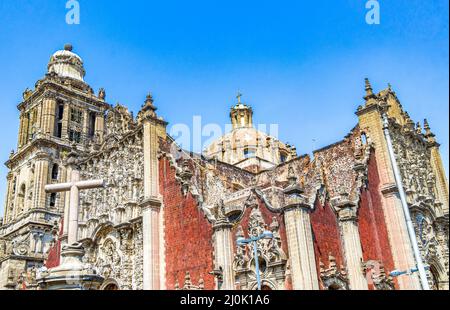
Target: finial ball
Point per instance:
(68, 47)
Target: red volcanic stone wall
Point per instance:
(267, 216)
(188, 234)
(54, 254)
(371, 222)
(327, 238)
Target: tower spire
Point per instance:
(148, 108)
(369, 92)
(428, 133)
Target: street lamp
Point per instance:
(242, 241)
(397, 273)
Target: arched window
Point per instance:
(55, 172)
(364, 138)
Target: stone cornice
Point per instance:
(346, 209)
(52, 89)
(389, 189)
(222, 224)
(36, 143)
(153, 120)
(151, 203)
(367, 108)
(28, 221)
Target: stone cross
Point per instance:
(239, 95)
(74, 186)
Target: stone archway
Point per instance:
(110, 285)
(438, 276)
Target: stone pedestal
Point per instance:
(72, 274)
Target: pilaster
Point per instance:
(347, 213)
(301, 249)
(21, 126)
(441, 179)
(99, 126)
(152, 129)
(151, 245)
(9, 198)
(49, 111)
(299, 237)
(223, 247)
(65, 122)
(41, 172)
(370, 122)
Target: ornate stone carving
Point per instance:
(188, 285)
(332, 277)
(272, 259)
(377, 276)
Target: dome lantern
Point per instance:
(241, 114)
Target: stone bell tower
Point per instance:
(61, 114)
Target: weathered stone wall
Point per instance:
(371, 222)
(327, 238)
(188, 234)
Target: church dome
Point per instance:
(65, 63)
(247, 147)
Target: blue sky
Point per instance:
(300, 64)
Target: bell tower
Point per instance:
(60, 115)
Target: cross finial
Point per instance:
(239, 95)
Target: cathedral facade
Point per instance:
(164, 218)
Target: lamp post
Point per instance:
(397, 273)
(242, 241)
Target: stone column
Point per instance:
(399, 234)
(223, 248)
(49, 110)
(85, 131)
(41, 171)
(65, 122)
(151, 245)
(299, 236)
(348, 224)
(9, 197)
(153, 128)
(151, 207)
(301, 248)
(39, 117)
(99, 126)
(21, 126)
(441, 186)
(24, 133)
